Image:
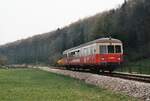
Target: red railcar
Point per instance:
(101, 54)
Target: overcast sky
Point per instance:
(23, 18)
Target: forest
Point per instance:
(130, 23)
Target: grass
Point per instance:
(36, 85)
(140, 67)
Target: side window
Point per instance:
(87, 51)
(65, 55)
(69, 54)
(103, 49)
(77, 53)
(72, 54)
(84, 51)
(91, 50)
(94, 50)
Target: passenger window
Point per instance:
(76, 54)
(91, 50)
(72, 54)
(82, 52)
(85, 52)
(111, 49)
(65, 55)
(118, 48)
(103, 49)
(69, 54)
(88, 51)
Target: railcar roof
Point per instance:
(100, 40)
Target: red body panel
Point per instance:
(95, 59)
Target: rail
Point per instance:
(135, 77)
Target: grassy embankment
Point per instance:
(36, 85)
(141, 67)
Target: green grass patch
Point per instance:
(37, 85)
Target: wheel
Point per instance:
(110, 71)
(67, 67)
(95, 70)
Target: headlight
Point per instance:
(119, 59)
(102, 58)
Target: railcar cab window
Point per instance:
(103, 49)
(111, 49)
(118, 48)
(114, 48)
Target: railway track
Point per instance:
(128, 76)
(135, 77)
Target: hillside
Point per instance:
(129, 23)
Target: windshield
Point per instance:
(118, 48)
(111, 49)
(104, 49)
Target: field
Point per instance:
(36, 85)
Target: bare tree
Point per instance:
(3, 60)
